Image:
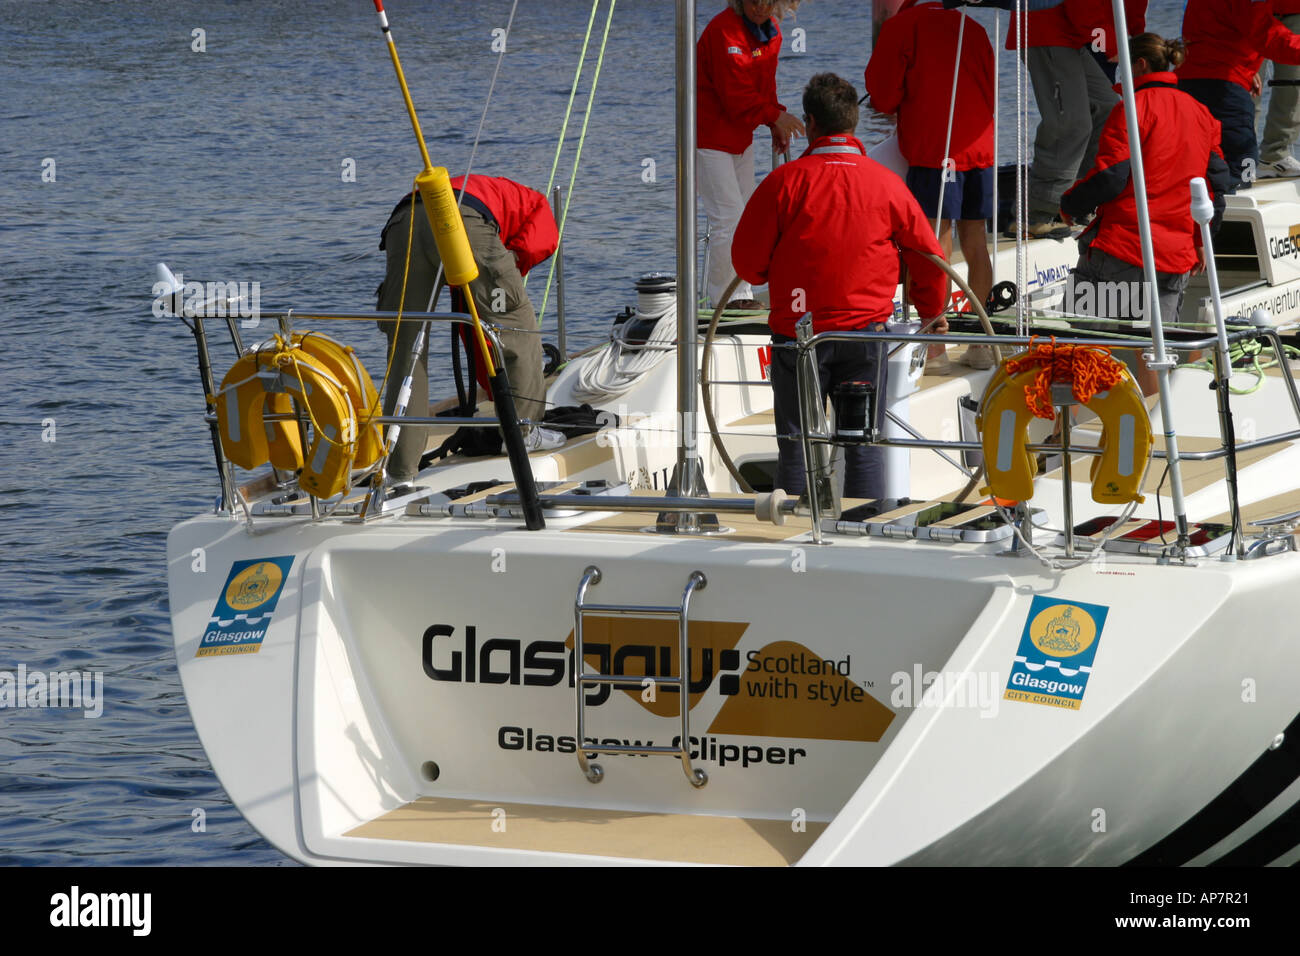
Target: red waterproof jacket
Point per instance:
(1180, 141)
(1046, 27)
(735, 77)
(1089, 16)
(825, 230)
(1231, 39)
(1284, 8)
(1071, 22)
(524, 216)
(910, 73)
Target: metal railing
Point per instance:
(822, 496)
(821, 499)
(284, 323)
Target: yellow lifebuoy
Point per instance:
(280, 375)
(247, 439)
(342, 362)
(1126, 439)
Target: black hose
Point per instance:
(462, 398)
(708, 391)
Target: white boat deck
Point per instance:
(587, 831)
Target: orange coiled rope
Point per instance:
(1088, 368)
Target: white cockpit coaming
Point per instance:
(369, 719)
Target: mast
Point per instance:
(1163, 365)
(687, 478)
(687, 456)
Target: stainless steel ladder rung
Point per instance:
(621, 609)
(624, 679)
(591, 576)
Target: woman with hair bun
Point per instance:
(1180, 141)
(736, 61)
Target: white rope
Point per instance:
(1022, 175)
(1068, 564)
(460, 198)
(947, 142)
(622, 364)
(997, 32)
(505, 40)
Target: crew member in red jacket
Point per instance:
(910, 73)
(1282, 124)
(1097, 22)
(825, 232)
(736, 60)
(1227, 42)
(1074, 98)
(510, 229)
(1179, 143)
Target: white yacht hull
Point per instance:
(849, 704)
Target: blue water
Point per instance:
(227, 164)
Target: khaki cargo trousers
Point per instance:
(499, 294)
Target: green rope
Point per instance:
(1239, 352)
(568, 110)
(577, 158)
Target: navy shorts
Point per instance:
(969, 196)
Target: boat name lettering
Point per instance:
(503, 660)
(707, 749)
(1283, 246)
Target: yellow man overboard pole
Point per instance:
(460, 270)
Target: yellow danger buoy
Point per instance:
(448, 228)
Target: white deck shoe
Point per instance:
(1286, 167)
(543, 439)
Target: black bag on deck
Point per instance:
(572, 420)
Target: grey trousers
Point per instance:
(1074, 98)
(1111, 288)
(1283, 123)
(499, 294)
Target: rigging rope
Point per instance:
(577, 158)
(997, 30)
(469, 167)
(1022, 179)
(573, 92)
(947, 142)
(622, 364)
(505, 41)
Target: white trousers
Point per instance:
(724, 182)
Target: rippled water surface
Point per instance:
(227, 164)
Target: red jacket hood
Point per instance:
(835, 139)
(1165, 76)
